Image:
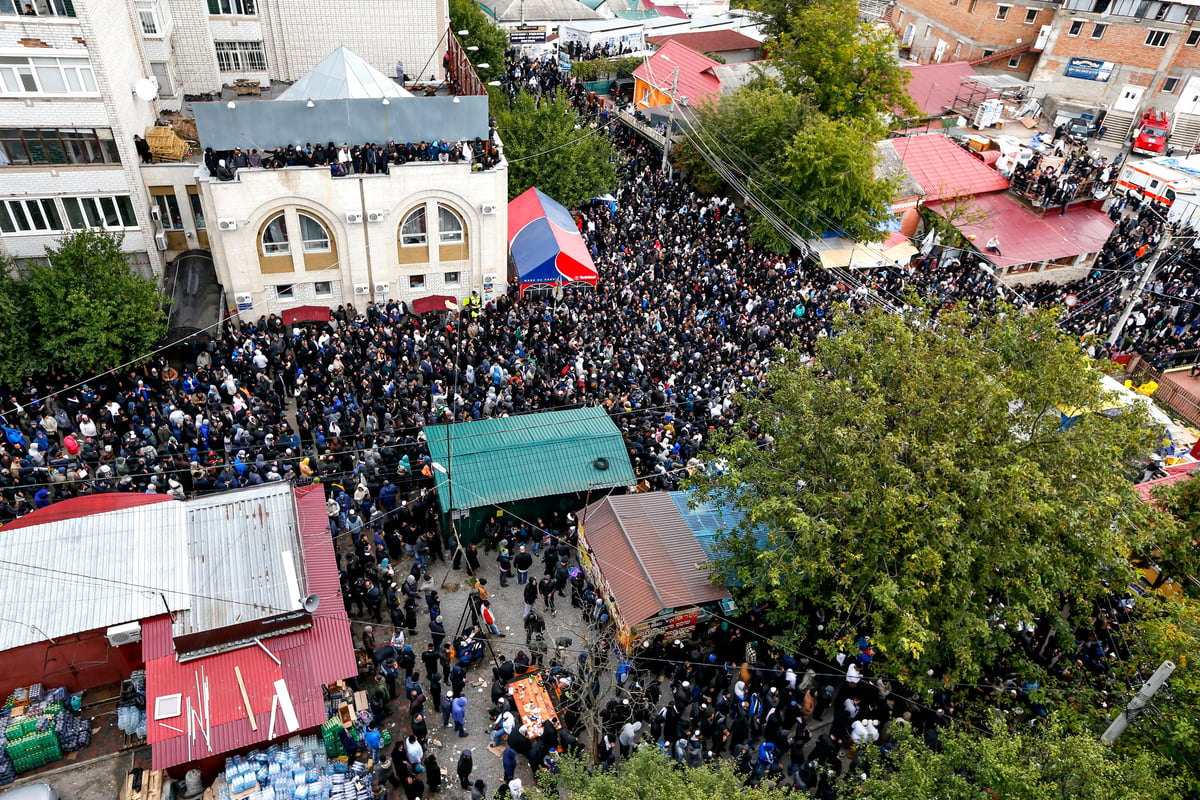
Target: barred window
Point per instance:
(241, 57)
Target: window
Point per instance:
(1076, 27)
(412, 232)
(954, 2)
(285, 291)
(46, 215)
(41, 8)
(1030, 16)
(275, 238)
(1163, 10)
(197, 211)
(928, 31)
(971, 8)
(241, 57)
(30, 75)
(314, 238)
(323, 289)
(168, 211)
(416, 281)
(230, 7)
(1170, 85)
(1015, 61)
(450, 227)
(1002, 12)
(52, 146)
(451, 279)
(151, 16)
(1098, 30)
(1193, 38)
(957, 49)
(1158, 38)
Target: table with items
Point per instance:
(533, 703)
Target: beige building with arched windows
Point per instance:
(292, 236)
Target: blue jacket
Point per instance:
(458, 709)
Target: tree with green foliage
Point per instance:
(918, 482)
(846, 66)
(492, 40)
(547, 146)
(650, 775)
(17, 359)
(1049, 761)
(86, 310)
(748, 126)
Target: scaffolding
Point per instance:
(974, 90)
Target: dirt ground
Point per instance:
(97, 779)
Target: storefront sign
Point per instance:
(1089, 69)
(527, 34)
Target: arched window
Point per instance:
(450, 226)
(275, 237)
(313, 235)
(413, 232)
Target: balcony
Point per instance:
(153, 17)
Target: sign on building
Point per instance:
(1089, 69)
(527, 34)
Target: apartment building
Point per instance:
(80, 78)
(1124, 56)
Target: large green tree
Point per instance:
(481, 32)
(918, 481)
(1051, 761)
(87, 310)
(17, 358)
(846, 66)
(650, 775)
(547, 146)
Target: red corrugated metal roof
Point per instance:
(933, 87)
(85, 506)
(944, 170)
(308, 659)
(1175, 473)
(708, 41)
(648, 555)
(1027, 238)
(697, 81)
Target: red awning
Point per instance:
(435, 302)
(305, 314)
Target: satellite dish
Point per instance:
(146, 89)
(311, 602)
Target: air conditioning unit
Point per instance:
(376, 216)
(243, 299)
(488, 208)
(382, 288)
(128, 633)
(160, 240)
(227, 224)
(155, 215)
(362, 288)
(353, 217)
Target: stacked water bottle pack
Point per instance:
(37, 727)
(300, 771)
(131, 708)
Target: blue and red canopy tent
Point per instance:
(545, 245)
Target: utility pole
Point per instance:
(1139, 702)
(1115, 334)
(670, 120)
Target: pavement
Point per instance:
(96, 779)
(507, 604)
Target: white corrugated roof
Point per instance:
(342, 75)
(239, 545)
(76, 575)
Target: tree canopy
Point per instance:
(492, 41)
(814, 172)
(85, 311)
(650, 775)
(1050, 761)
(546, 146)
(918, 482)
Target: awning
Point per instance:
(305, 314)
(435, 302)
(545, 244)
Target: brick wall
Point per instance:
(974, 24)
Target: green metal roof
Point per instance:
(638, 15)
(592, 4)
(492, 461)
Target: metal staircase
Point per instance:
(999, 54)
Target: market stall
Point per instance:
(37, 727)
(642, 554)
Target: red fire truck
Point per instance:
(1150, 136)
